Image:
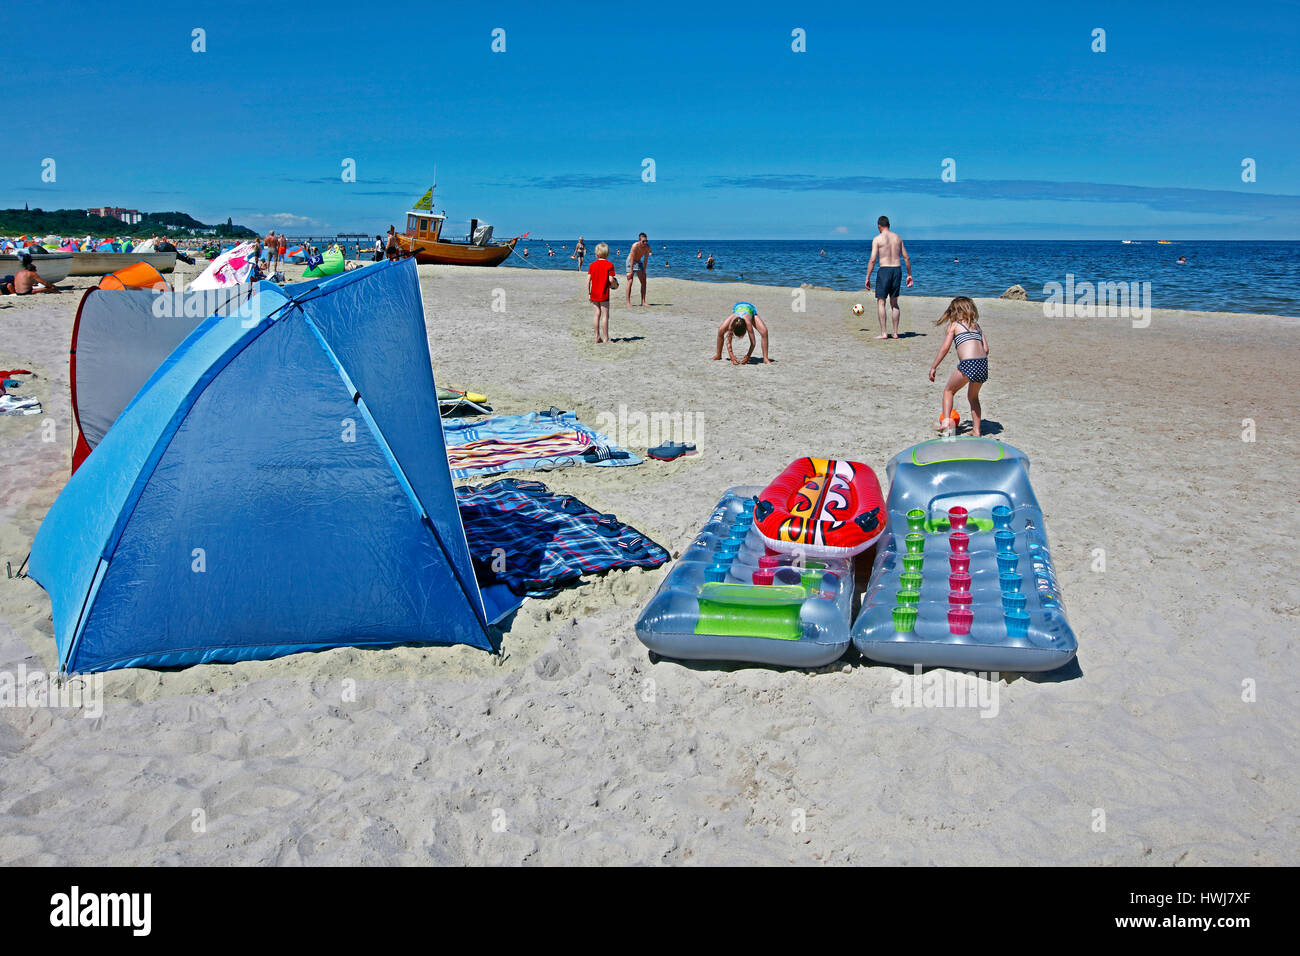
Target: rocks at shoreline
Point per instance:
(1017, 293)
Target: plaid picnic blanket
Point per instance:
(539, 440)
(536, 542)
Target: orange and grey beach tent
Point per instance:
(138, 275)
(118, 342)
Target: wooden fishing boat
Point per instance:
(423, 239)
(52, 266)
(102, 263)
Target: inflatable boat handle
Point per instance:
(752, 595)
(869, 521)
(762, 510)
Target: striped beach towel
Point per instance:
(539, 441)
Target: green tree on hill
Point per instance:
(75, 222)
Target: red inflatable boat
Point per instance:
(822, 508)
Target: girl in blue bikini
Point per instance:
(964, 332)
(743, 322)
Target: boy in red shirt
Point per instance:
(600, 279)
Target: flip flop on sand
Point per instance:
(671, 450)
(598, 453)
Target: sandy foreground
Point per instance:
(1172, 742)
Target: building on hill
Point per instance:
(128, 216)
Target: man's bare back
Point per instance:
(887, 249)
(887, 246)
(25, 283)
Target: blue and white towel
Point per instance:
(522, 429)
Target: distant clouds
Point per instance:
(575, 181)
(1261, 206)
(281, 220)
(362, 181)
(1162, 198)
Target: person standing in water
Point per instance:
(580, 252)
(638, 257)
(888, 247)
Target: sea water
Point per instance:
(1259, 277)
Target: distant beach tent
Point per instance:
(120, 338)
(231, 268)
(332, 263)
(273, 489)
(138, 275)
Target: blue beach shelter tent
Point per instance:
(279, 484)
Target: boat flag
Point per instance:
(425, 201)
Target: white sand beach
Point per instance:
(1171, 741)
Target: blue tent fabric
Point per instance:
(268, 492)
(548, 541)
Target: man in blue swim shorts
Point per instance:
(888, 246)
(638, 257)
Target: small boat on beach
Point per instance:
(52, 266)
(423, 239)
(102, 263)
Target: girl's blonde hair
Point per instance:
(963, 310)
(602, 250)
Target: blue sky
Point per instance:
(749, 138)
